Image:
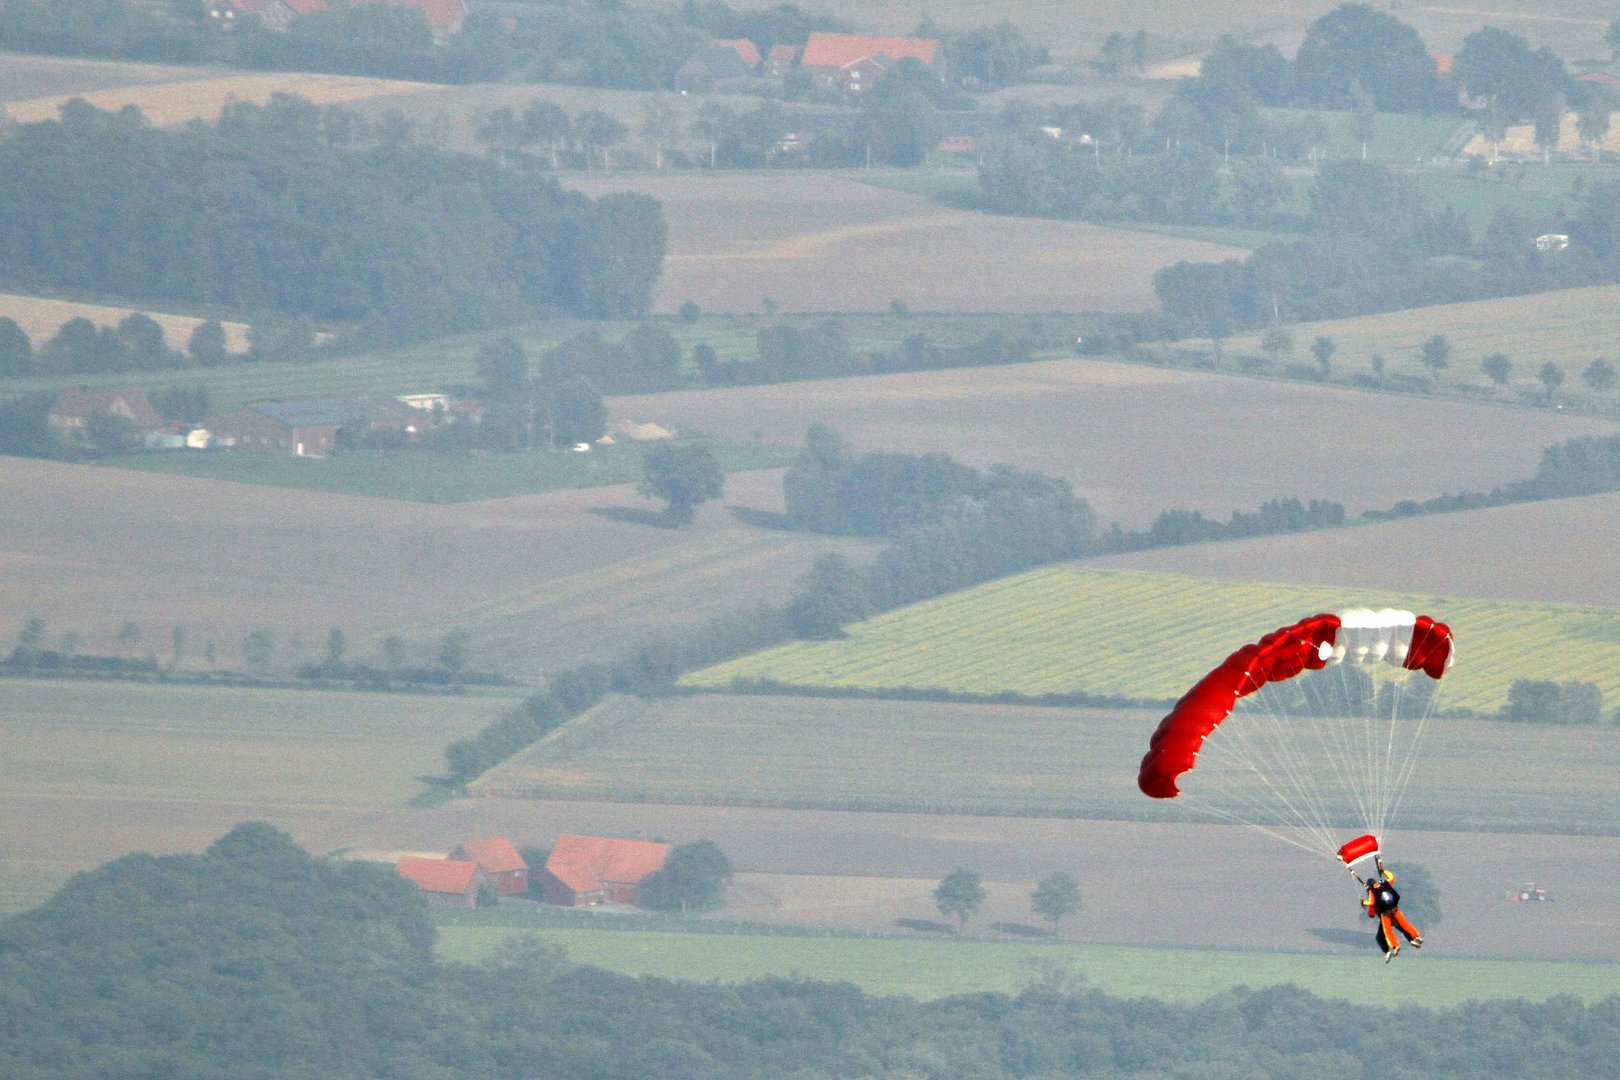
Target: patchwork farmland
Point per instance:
(96, 770)
(1149, 636)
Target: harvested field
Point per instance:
(201, 95)
(40, 318)
(931, 757)
(1148, 637)
(1135, 441)
(1554, 552)
(97, 770)
(25, 78)
(540, 581)
(1568, 327)
(827, 242)
(1144, 883)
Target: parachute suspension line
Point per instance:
(1401, 774)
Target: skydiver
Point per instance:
(1383, 903)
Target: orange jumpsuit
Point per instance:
(1390, 919)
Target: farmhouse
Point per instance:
(498, 860)
(73, 408)
(855, 62)
(444, 882)
(308, 427)
(598, 870)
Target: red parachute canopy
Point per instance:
(1417, 643)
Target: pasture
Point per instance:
(1135, 440)
(938, 968)
(95, 770)
(1067, 629)
(945, 758)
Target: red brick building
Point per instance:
(498, 859)
(598, 869)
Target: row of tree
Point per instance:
(280, 964)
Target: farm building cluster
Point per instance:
(303, 427)
(579, 871)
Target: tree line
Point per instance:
(261, 212)
(279, 964)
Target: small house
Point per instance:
(498, 860)
(856, 62)
(443, 882)
(73, 408)
(586, 870)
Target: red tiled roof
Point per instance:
(841, 50)
(743, 47)
(586, 863)
(440, 14)
(782, 52)
(80, 402)
(304, 7)
(438, 875)
(494, 855)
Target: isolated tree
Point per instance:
(960, 895)
(1551, 377)
(1323, 349)
(693, 878)
(207, 344)
(257, 650)
(1420, 898)
(1599, 375)
(1436, 355)
(685, 476)
(129, 636)
(336, 645)
(1594, 111)
(453, 651)
(16, 350)
(1277, 342)
(177, 645)
(1055, 898)
(29, 641)
(393, 650)
(1497, 367)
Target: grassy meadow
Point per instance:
(929, 969)
(94, 770)
(1066, 629)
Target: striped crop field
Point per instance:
(1067, 629)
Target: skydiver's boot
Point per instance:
(1390, 955)
(1417, 942)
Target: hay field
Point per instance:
(196, 95)
(41, 317)
(827, 242)
(1135, 441)
(95, 770)
(540, 581)
(1122, 633)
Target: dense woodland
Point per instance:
(265, 211)
(255, 960)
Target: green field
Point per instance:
(1397, 139)
(1065, 629)
(95, 770)
(932, 969)
(435, 477)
